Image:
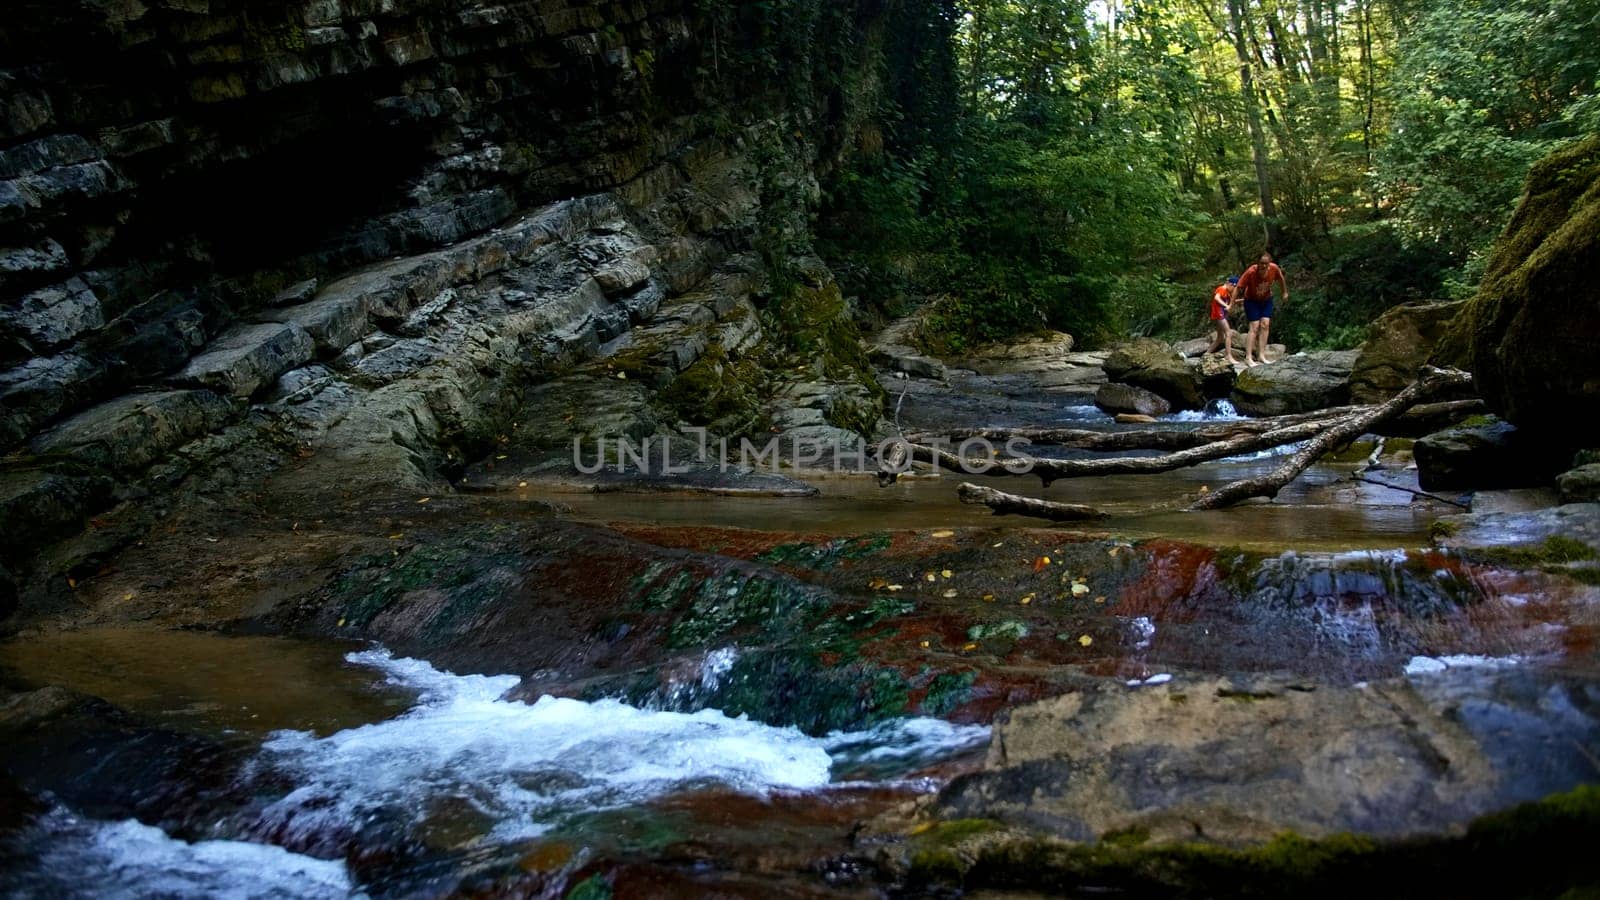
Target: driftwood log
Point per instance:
(1159, 438)
(1007, 504)
(1432, 382)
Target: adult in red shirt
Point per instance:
(1255, 286)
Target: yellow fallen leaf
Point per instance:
(1099, 599)
(341, 624)
(1080, 590)
(970, 647)
(127, 596)
(396, 537)
(502, 456)
(522, 484)
(877, 584)
(947, 574)
(895, 587)
(425, 500)
(1085, 640)
(988, 598)
(622, 376)
(1026, 600)
(930, 577)
(72, 583)
(922, 826)
(1001, 544)
(924, 645)
(951, 594)
(943, 534)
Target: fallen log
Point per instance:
(1005, 504)
(1158, 438)
(1432, 382)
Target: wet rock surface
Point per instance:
(1241, 760)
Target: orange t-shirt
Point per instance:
(1219, 300)
(1256, 286)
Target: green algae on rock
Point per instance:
(1528, 335)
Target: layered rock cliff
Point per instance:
(325, 244)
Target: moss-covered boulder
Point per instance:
(1530, 333)
(1400, 342)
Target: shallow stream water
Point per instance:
(363, 773)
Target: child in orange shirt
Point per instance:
(1221, 304)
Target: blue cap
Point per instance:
(1233, 279)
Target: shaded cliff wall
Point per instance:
(170, 166)
(335, 244)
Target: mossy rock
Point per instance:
(1539, 849)
(1529, 334)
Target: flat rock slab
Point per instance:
(1577, 521)
(129, 433)
(1243, 759)
(250, 357)
(334, 322)
(1296, 384)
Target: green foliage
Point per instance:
(1484, 89)
(1343, 281)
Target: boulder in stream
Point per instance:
(1398, 345)
(1153, 365)
(1125, 398)
(1485, 453)
(1300, 383)
(1580, 485)
(1529, 335)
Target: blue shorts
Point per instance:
(1257, 309)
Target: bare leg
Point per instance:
(1227, 342)
(1266, 338)
(1219, 335)
(1250, 344)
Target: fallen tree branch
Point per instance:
(1433, 381)
(1008, 504)
(1412, 491)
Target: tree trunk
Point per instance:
(1258, 141)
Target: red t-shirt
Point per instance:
(1253, 285)
(1219, 300)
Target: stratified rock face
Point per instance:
(1529, 336)
(360, 235)
(1241, 760)
(1400, 342)
(1156, 367)
(1295, 384)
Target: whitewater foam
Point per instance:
(528, 767)
(85, 858)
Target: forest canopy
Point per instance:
(1097, 167)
